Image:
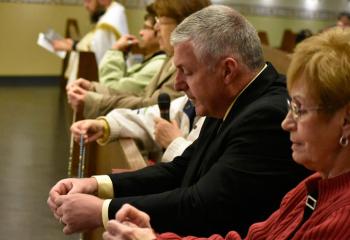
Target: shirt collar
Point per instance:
(234, 100)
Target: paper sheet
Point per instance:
(44, 43)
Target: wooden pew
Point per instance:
(278, 58)
(288, 41)
(122, 154)
(87, 68)
(263, 38)
(101, 159)
(72, 31)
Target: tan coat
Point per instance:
(106, 99)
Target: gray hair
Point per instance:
(219, 31)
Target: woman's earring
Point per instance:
(343, 141)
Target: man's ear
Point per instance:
(230, 69)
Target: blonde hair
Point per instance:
(323, 61)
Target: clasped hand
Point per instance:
(71, 203)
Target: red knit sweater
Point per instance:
(329, 220)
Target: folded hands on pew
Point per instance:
(76, 92)
(73, 203)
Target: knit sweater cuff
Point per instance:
(114, 128)
(175, 148)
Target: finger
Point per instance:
(58, 190)
(157, 120)
(130, 224)
(129, 36)
(112, 227)
(76, 135)
(69, 86)
(68, 229)
(80, 81)
(77, 90)
(51, 204)
(54, 211)
(61, 221)
(55, 192)
(60, 200)
(94, 137)
(82, 90)
(61, 188)
(88, 126)
(56, 216)
(126, 213)
(175, 124)
(107, 236)
(59, 212)
(76, 138)
(76, 129)
(119, 229)
(72, 94)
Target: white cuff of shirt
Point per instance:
(105, 207)
(175, 148)
(105, 186)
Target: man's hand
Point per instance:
(165, 132)
(70, 186)
(63, 44)
(91, 129)
(79, 212)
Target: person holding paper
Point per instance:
(111, 24)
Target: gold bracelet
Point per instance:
(106, 131)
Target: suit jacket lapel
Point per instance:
(200, 155)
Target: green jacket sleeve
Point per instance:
(112, 67)
(137, 77)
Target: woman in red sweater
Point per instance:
(319, 126)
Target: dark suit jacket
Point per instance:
(233, 175)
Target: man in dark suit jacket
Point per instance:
(240, 166)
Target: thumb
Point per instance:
(175, 124)
(157, 120)
(74, 189)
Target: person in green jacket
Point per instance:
(113, 70)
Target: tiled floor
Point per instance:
(33, 156)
